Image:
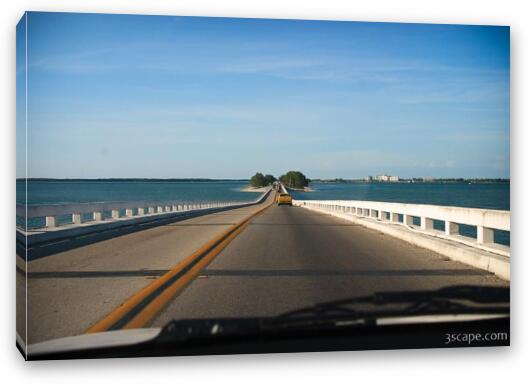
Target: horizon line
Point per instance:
(243, 179)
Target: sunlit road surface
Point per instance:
(291, 257)
(69, 291)
(285, 258)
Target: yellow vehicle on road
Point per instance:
(284, 198)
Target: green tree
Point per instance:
(269, 179)
(294, 179)
(258, 180)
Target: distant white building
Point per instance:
(368, 178)
(386, 177)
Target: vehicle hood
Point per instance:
(94, 340)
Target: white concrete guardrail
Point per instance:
(89, 217)
(398, 220)
(118, 210)
(485, 220)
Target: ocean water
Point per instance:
(490, 196)
(63, 192)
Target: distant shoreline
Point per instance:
(308, 189)
(106, 180)
(434, 181)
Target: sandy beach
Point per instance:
(305, 189)
(253, 189)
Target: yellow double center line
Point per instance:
(143, 306)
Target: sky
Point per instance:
(179, 97)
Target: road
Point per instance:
(285, 258)
(291, 257)
(70, 290)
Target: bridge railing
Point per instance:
(441, 221)
(283, 188)
(98, 212)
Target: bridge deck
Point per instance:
(291, 257)
(286, 258)
(69, 291)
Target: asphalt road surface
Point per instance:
(69, 291)
(286, 258)
(291, 257)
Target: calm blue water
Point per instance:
(53, 192)
(491, 196)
